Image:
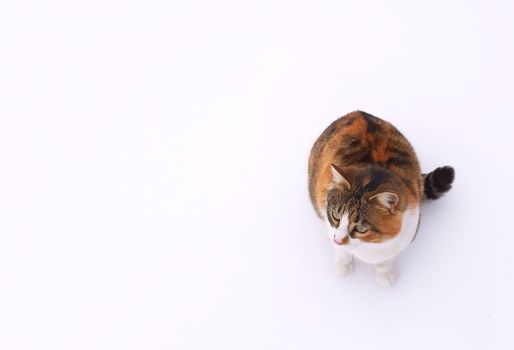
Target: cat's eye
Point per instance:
(338, 213)
(334, 219)
(334, 216)
(361, 228)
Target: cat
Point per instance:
(365, 182)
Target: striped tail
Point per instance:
(438, 182)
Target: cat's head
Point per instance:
(364, 204)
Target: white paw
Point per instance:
(342, 267)
(386, 278)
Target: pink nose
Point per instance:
(342, 241)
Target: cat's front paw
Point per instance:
(386, 278)
(343, 266)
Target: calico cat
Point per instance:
(365, 182)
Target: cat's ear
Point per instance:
(388, 200)
(338, 178)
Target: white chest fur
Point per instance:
(374, 253)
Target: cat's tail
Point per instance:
(438, 182)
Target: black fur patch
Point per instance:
(365, 158)
(372, 122)
(379, 176)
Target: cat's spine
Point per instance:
(438, 182)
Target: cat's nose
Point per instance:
(341, 240)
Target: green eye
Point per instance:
(361, 228)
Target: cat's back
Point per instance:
(358, 139)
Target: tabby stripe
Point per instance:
(350, 142)
(347, 121)
(398, 152)
(398, 161)
(358, 156)
(410, 187)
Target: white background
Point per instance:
(153, 167)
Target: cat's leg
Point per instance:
(384, 273)
(343, 261)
